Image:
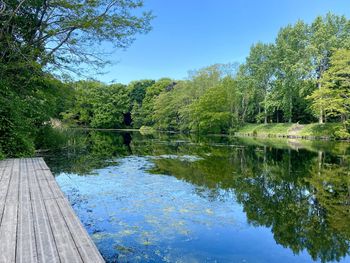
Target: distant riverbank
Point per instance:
(312, 131)
(291, 130)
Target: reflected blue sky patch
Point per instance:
(136, 216)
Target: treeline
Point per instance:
(302, 77)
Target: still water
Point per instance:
(177, 198)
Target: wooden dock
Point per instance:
(37, 223)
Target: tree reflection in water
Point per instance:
(299, 189)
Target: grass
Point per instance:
(334, 147)
(290, 130)
(266, 129)
(319, 130)
(144, 130)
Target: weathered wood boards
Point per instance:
(37, 223)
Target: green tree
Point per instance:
(327, 33)
(137, 90)
(259, 67)
(215, 111)
(65, 32)
(28, 98)
(166, 114)
(333, 97)
(109, 106)
(99, 105)
(292, 61)
(198, 84)
(143, 116)
(172, 108)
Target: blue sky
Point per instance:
(191, 34)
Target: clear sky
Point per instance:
(191, 34)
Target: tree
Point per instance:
(99, 105)
(143, 116)
(109, 106)
(327, 33)
(63, 33)
(216, 110)
(259, 67)
(166, 115)
(292, 62)
(137, 90)
(333, 97)
(172, 108)
(28, 98)
(248, 104)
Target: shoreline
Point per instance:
(312, 132)
(286, 136)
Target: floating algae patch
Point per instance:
(184, 158)
(178, 198)
(123, 249)
(209, 200)
(141, 211)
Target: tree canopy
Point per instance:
(64, 33)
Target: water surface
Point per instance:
(177, 198)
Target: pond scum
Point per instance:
(174, 198)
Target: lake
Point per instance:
(184, 198)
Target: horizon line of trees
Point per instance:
(304, 76)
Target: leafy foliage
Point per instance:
(334, 95)
(28, 99)
(143, 115)
(98, 105)
(62, 33)
(40, 36)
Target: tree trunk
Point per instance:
(265, 110)
(320, 155)
(320, 121)
(290, 110)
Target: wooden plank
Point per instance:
(8, 227)
(83, 242)
(3, 166)
(5, 180)
(65, 244)
(44, 176)
(45, 242)
(42, 164)
(4, 183)
(86, 247)
(37, 223)
(26, 243)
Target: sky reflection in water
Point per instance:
(162, 199)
